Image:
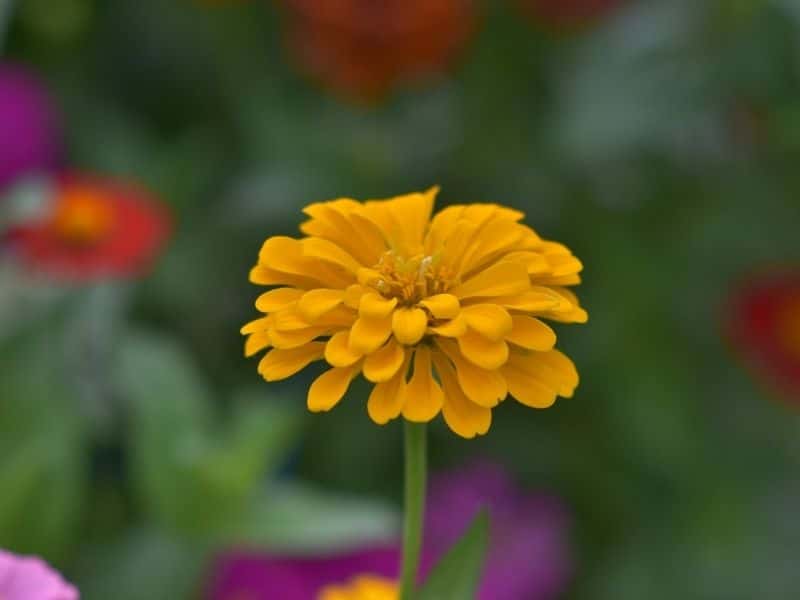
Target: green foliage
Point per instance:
(458, 572)
(43, 467)
(189, 474)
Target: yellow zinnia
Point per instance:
(363, 587)
(442, 314)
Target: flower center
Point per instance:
(788, 329)
(409, 279)
(81, 217)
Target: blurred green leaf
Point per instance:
(146, 565)
(190, 473)
(293, 517)
(458, 572)
(43, 471)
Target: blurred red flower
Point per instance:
(764, 326)
(567, 14)
(363, 48)
(94, 228)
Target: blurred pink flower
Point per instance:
(30, 578)
(529, 554)
(30, 138)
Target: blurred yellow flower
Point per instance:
(363, 587)
(442, 314)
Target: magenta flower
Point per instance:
(30, 578)
(30, 138)
(528, 559)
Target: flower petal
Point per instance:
(490, 320)
(487, 354)
(424, 397)
(315, 303)
(526, 388)
(483, 387)
(442, 306)
(409, 325)
(462, 416)
(280, 364)
(384, 363)
(296, 337)
(376, 306)
(500, 279)
(330, 252)
(387, 398)
(338, 352)
(369, 333)
(453, 328)
(277, 299)
(329, 388)
(531, 333)
(256, 342)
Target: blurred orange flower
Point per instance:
(362, 48)
(94, 228)
(364, 587)
(764, 326)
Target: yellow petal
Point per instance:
(424, 397)
(285, 255)
(462, 416)
(495, 239)
(329, 388)
(526, 388)
(442, 306)
(454, 328)
(409, 325)
(277, 299)
(260, 324)
(315, 303)
(289, 319)
(353, 294)
(368, 333)
(567, 375)
(500, 279)
(383, 364)
(264, 275)
(330, 252)
(376, 306)
(537, 299)
(295, 337)
(338, 352)
(387, 399)
(487, 354)
(490, 320)
(280, 364)
(483, 387)
(531, 333)
(256, 342)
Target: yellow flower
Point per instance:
(442, 314)
(363, 587)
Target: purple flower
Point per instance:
(30, 578)
(528, 559)
(29, 130)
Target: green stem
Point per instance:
(415, 475)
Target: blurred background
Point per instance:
(659, 140)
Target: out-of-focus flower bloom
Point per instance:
(528, 557)
(362, 587)
(255, 576)
(30, 578)
(567, 14)
(363, 48)
(764, 326)
(378, 286)
(30, 138)
(94, 228)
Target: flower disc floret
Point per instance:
(443, 314)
